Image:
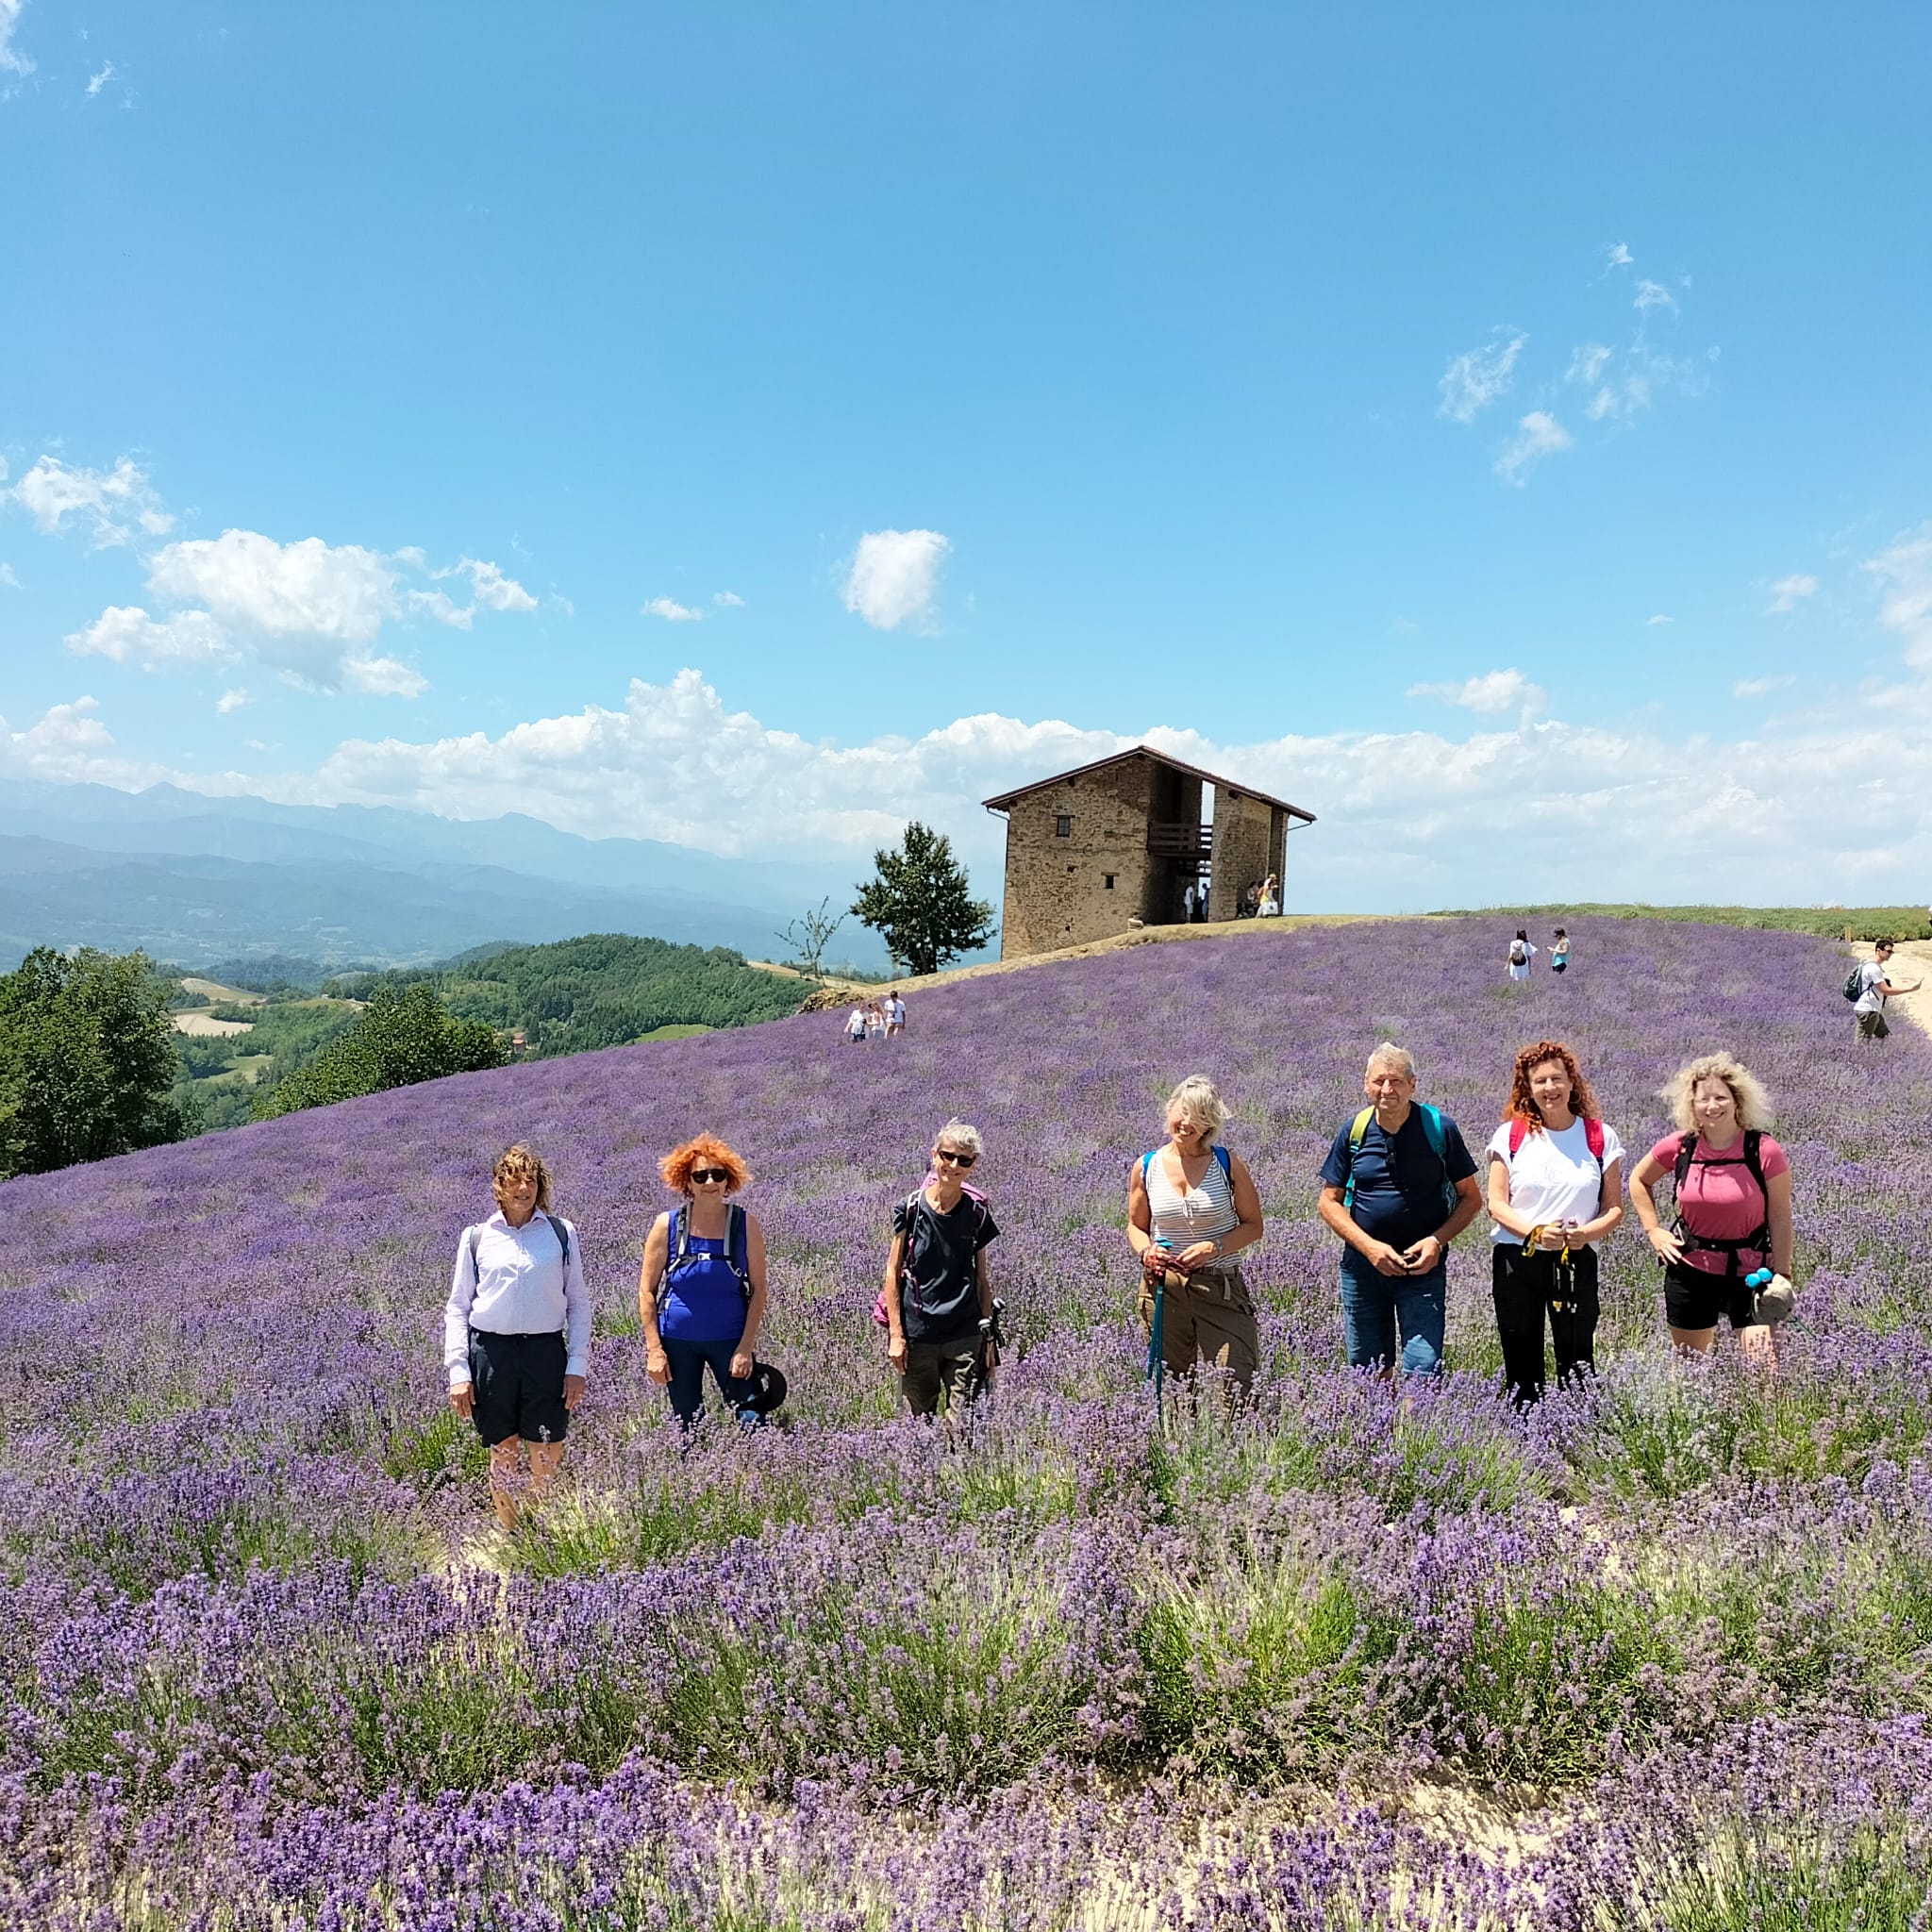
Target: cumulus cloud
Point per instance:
(728, 599)
(893, 578)
(11, 59)
(1479, 376)
(311, 610)
(1617, 256)
(1789, 592)
(98, 81)
(672, 611)
(1654, 295)
(230, 701)
(1490, 695)
(116, 505)
(1538, 435)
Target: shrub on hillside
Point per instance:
(400, 1039)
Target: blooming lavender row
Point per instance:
(234, 1507)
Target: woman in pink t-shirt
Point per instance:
(1731, 1219)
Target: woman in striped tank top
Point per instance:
(1192, 1207)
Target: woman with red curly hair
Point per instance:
(1556, 1190)
(702, 1292)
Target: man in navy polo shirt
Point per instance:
(1398, 1187)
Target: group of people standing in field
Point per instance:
(875, 1020)
(1523, 951)
(1397, 1186)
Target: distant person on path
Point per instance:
(700, 1295)
(937, 1288)
(1192, 1208)
(516, 1330)
(855, 1027)
(896, 1016)
(1874, 987)
(1269, 907)
(1188, 904)
(1559, 951)
(1398, 1187)
(1521, 951)
(1556, 1190)
(874, 1022)
(1734, 1208)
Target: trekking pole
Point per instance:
(1156, 1354)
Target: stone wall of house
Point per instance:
(1247, 847)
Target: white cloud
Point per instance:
(728, 599)
(230, 701)
(489, 587)
(1538, 435)
(1761, 686)
(8, 580)
(1617, 256)
(1661, 617)
(1478, 377)
(672, 611)
(1789, 592)
(1904, 573)
(96, 82)
(894, 578)
(1587, 362)
(11, 59)
(127, 635)
(117, 503)
(1490, 695)
(1654, 295)
(69, 745)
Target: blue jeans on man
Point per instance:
(1379, 1310)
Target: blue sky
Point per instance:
(759, 424)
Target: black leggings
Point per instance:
(1525, 1284)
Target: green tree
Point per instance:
(402, 1036)
(86, 1056)
(921, 903)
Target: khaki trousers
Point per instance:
(1210, 1319)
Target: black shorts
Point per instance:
(518, 1385)
(1693, 1299)
(1558, 965)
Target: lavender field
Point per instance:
(1656, 1656)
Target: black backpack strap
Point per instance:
(562, 1239)
(1687, 1153)
(738, 1247)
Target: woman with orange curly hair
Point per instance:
(1556, 1190)
(702, 1292)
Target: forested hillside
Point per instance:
(603, 989)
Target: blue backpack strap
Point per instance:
(1438, 1146)
(1226, 1162)
(1357, 1132)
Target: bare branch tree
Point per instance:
(809, 935)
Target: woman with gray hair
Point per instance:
(937, 1288)
(1192, 1208)
(1734, 1210)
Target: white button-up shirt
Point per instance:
(514, 1281)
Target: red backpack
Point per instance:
(1592, 1139)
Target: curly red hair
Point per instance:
(705, 1150)
(1523, 1104)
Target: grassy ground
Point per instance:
(1828, 922)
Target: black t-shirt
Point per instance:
(1398, 1182)
(939, 1291)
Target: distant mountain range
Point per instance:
(199, 880)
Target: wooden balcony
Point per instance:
(1174, 840)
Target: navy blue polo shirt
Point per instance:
(1398, 1180)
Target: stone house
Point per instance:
(1117, 843)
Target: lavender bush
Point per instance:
(1652, 1655)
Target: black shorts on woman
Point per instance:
(1695, 1298)
(518, 1380)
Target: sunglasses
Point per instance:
(946, 1154)
(704, 1177)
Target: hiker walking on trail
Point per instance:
(1733, 1187)
(1192, 1208)
(1556, 1190)
(896, 1016)
(1874, 984)
(938, 1297)
(1398, 1187)
(516, 1330)
(1559, 951)
(855, 1027)
(700, 1295)
(1521, 951)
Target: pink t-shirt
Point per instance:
(1719, 1200)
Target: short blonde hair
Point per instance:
(964, 1136)
(521, 1163)
(1747, 1091)
(1199, 1102)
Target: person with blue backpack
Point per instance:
(1398, 1186)
(1192, 1208)
(516, 1331)
(700, 1295)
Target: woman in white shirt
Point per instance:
(1556, 1190)
(1521, 951)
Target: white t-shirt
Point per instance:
(1871, 976)
(1519, 969)
(1554, 1176)
(895, 1012)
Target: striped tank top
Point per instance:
(1204, 1213)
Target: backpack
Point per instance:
(737, 1249)
(1517, 954)
(913, 1201)
(1759, 1240)
(1432, 1132)
(471, 1235)
(1592, 1139)
(1854, 983)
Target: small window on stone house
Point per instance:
(1063, 825)
(1106, 881)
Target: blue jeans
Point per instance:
(688, 1363)
(1374, 1306)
